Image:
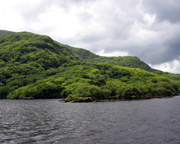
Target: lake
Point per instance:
(154, 121)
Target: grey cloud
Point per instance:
(92, 38)
(163, 49)
(85, 17)
(167, 50)
(154, 53)
(31, 12)
(66, 5)
(165, 10)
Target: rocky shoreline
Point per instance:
(89, 99)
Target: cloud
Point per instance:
(148, 29)
(173, 66)
(168, 10)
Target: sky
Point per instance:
(148, 29)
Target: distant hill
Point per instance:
(85, 55)
(5, 31)
(36, 66)
(126, 61)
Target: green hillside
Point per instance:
(126, 61)
(85, 55)
(35, 66)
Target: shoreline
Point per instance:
(89, 99)
(85, 100)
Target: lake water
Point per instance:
(155, 121)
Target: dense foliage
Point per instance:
(35, 66)
(85, 55)
(127, 61)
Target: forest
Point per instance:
(35, 66)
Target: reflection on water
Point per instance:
(48, 121)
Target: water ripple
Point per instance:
(48, 121)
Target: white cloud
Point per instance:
(173, 67)
(117, 53)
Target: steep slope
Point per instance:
(30, 40)
(24, 54)
(26, 47)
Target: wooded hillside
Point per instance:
(35, 66)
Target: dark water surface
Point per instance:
(155, 121)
